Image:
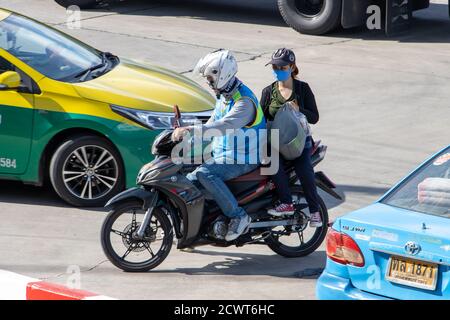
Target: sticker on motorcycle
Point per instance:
(442, 159)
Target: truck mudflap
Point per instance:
(354, 12)
(398, 16)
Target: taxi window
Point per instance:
(5, 65)
(3, 39)
(27, 84)
(428, 190)
(47, 50)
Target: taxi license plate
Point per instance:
(412, 273)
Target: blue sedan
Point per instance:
(398, 247)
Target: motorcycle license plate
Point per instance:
(413, 273)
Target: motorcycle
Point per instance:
(137, 234)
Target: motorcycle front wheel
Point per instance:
(124, 250)
(299, 241)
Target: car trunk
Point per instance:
(382, 232)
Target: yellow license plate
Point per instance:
(412, 273)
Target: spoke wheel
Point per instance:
(90, 172)
(121, 245)
(87, 171)
(299, 240)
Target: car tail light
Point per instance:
(341, 248)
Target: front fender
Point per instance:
(134, 193)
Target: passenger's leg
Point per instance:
(305, 172)
(281, 182)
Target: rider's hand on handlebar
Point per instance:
(179, 133)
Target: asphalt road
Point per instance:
(384, 105)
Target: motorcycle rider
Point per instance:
(237, 111)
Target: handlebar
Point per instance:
(177, 112)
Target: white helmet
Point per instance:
(220, 65)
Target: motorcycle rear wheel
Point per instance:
(303, 249)
(159, 222)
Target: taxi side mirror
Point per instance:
(10, 80)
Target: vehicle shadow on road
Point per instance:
(246, 264)
(344, 189)
(19, 193)
(263, 12)
(429, 25)
(373, 191)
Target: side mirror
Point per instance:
(9, 80)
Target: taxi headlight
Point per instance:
(153, 120)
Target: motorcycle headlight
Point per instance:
(154, 120)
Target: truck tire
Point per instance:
(311, 16)
(87, 171)
(83, 4)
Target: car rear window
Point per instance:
(427, 190)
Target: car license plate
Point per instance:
(412, 273)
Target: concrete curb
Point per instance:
(14, 286)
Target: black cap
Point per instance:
(282, 57)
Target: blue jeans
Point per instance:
(212, 177)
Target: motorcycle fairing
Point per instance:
(186, 197)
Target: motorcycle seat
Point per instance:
(255, 175)
(252, 176)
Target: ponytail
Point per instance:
(295, 71)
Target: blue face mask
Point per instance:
(282, 75)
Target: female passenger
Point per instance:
(287, 88)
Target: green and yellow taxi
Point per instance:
(78, 117)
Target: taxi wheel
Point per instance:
(87, 171)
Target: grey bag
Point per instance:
(293, 128)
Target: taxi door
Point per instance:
(16, 122)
